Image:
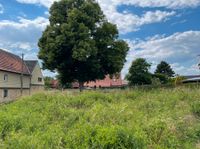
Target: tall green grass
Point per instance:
(137, 119)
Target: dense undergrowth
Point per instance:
(137, 119)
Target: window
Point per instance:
(5, 93)
(5, 77)
(39, 79)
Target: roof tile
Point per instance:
(12, 63)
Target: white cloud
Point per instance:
(24, 31)
(173, 4)
(17, 45)
(1, 9)
(39, 22)
(22, 36)
(49, 73)
(126, 22)
(179, 49)
(186, 70)
(46, 3)
(129, 22)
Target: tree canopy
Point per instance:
(139, 72)
(80, 44)
(165, 69)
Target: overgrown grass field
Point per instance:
(133, 119)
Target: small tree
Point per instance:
(80, 44)
(139, 72)
(165, 69)
(162, 78)
(47, 82)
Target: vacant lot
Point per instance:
(160, 118)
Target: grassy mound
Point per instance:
(161, 118)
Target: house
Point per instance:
(54, 84)
(108, 82)
(18, 77)
(75, 85)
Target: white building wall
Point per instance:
(13, 80)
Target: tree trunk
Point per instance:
(81, 85)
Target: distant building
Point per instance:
(108, 82)
(192, 79)
(55, 84)
(10, 76)
(75, 85)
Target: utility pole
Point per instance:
(199, 62)
(22, 73)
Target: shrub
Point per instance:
(179, 80)
(104, 137)
(162, 78)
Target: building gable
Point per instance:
(37, 76)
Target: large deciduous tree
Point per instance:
(165, 69)
(139, 72)
(80, 44)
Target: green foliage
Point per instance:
(155, 81)
(196, 108)
(159, 118)
(80, 44)
(165, 69)
(162, 78)
(178, 80)
(104, 137)
(161, 136)
(47, 82)
(139, 72)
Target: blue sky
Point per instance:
(154, 29)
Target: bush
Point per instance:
(104, 137)
(162, 78)
(178, 80)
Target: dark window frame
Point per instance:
(5, 78)
(5, 93)
(39, 79)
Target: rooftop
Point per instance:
(13, 63)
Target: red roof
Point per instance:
(12, 63)
(75, 85)
(107, 82)
(54, 83)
